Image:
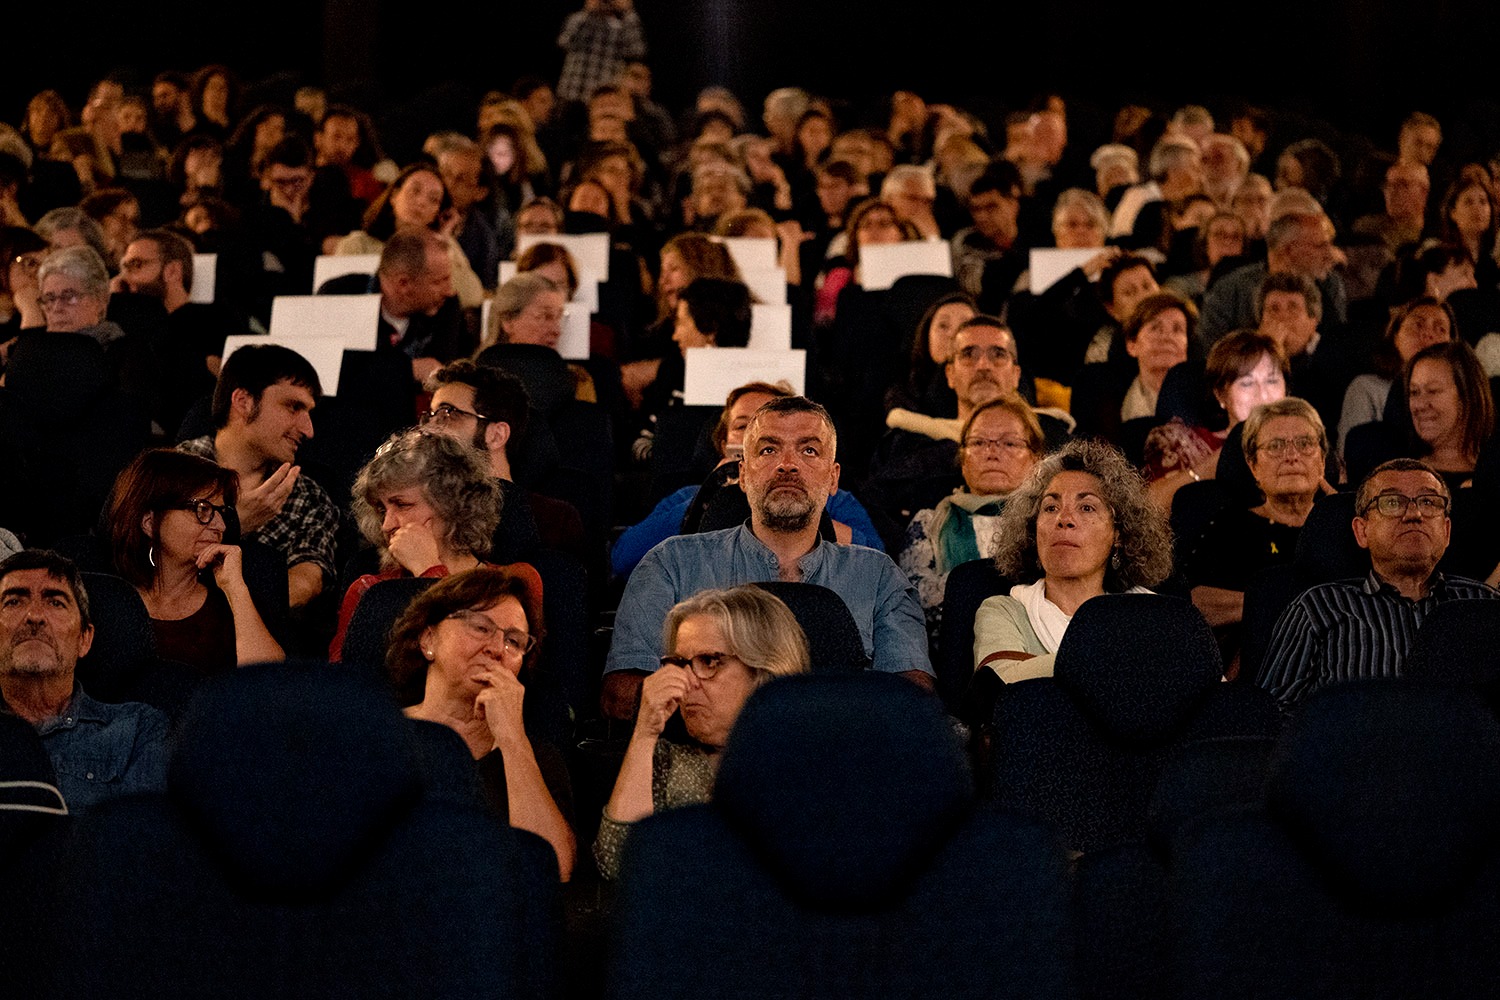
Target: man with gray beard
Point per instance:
(788, 472)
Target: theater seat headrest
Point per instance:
(1138, 665)
(845, 786)
(1390, 785)
(291, 774)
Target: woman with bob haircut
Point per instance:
(166, 519)
(724, 644)
(1080, 526)
(470, 643)
(429, 505)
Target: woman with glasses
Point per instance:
(998, 447)
(724, 644)
(429, 505)
(470, 642)
(166, 520)
(1286, 446)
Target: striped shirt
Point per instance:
(1351, 630)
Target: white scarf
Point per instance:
(1047, 620)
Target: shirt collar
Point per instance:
(1436, 585)
(808, 563)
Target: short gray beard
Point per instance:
(787, 515)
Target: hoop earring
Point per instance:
(151, 556)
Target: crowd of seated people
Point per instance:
(547, 550)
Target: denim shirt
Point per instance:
(102, 751)
(883, 602)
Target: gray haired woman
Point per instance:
(1080, 526)
(430, 505)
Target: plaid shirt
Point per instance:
(304, 531)
(597, 46)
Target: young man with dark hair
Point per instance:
(262, 412)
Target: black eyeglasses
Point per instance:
(204, 510)
(1397, 504)
(703, 666)
(446, 412)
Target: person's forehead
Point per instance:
(1283, 299)
(35, 581)
(286, 389)
(996, 420)
(982, 336)
(454, 394)
(1135, 276)
(60, 279)
(789, 426)
(1407, 481)
(1285, 425)
(747, 404)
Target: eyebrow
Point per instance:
(18, 591)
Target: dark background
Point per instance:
(1359, 66)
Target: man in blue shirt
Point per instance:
(99, 751)
(787, 472)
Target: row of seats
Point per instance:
(311, 842)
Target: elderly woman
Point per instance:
(417, 197)
(998, 447)
(166, 519)
(73, 288)
(725, 644)
(1420, 323)
(1080, 526)
(1285, 446)
(528, 309)
(471, 640)
(430, 505)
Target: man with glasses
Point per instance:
(489, 409)
(916, 464)
(262, 412)
(99, 751)
(1356, 629)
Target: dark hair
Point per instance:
(541, 254)
(720, 309)
(1476, 404)
(1362, 497)
(177, 170)
(842, 170)
(703, 118)
(527, 85)
(174, 249)
(59, 567)
(482, 587)
(1153, 306)
(200, 84)
(856, 215)
(14, 241)
(380, 217)
(922, 367)
(1236, 355)
(255, 369)
(101, 203)
(1000, 175)
(1387, 359)
(1472, 176)
(293, 152)
(156, 481)
(1320, 166)
(1298, 284)
(498, 395)
(1117, 267)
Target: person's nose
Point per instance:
(305, 425)
(391, 522)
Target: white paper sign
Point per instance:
(1049, 264)
(766, 284)
(330, 266)
(754, 253)
(355, 318)
(574, 343)
(882, 263)
(770, 327)
(324, 352)
(590, 250)
(588, 286)
(713, 371)
(205, 277)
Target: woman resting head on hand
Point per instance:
(471, 640)
(430, 506)
(1080, 526)
(167, 526)
(724, 644)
